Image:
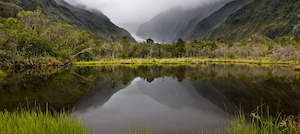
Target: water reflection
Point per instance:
(164, 106)
(112, 98)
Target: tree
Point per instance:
(125, 45)
(179, 48)
(150, 41)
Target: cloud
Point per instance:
(135, 11)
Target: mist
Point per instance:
(130, 13)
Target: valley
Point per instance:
(226, 66)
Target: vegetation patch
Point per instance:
(2, 75)
(184, 61)
(32, 122)
(255, 124)
(264, 124)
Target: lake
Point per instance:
(163, 99)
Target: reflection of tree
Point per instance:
(246, 85)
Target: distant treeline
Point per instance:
(31, 40)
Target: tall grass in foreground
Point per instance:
(256, 123)
(263, 125)
(38, 122)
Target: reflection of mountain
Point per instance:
(176, 95)
(97, 96)
(166, 91)
(227, 87)
(164, 105)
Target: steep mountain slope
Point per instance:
(172, 24)
(271, 18)
(203, 27)
(92, 21)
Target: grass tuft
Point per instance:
(38, 122)
(259, 124)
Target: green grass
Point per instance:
(182, 61)
(259, 124)
(255, 123)
(25, 122)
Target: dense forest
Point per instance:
(32, 40)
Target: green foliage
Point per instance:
(34, 122)
(33, 40)
(256, 47)
(263, 123)
(94, 22)
(271, 18)
(179, 49)
(32, 36)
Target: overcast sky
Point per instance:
(135, 11)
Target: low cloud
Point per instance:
(135, 11)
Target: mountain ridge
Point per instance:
(96, 23)
(170, 25)
(213, 20)
(270, 18)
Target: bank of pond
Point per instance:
(146, 99)
(33, 122)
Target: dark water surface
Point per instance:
(163, 99)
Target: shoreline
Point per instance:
(186, 61)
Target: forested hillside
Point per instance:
(271, 18)
(32, 40)
(93, 22)
(209, 23)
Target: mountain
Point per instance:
(172, 24)
(93, 21)
(209, 23)
(271, 18)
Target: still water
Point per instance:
(163, 99)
